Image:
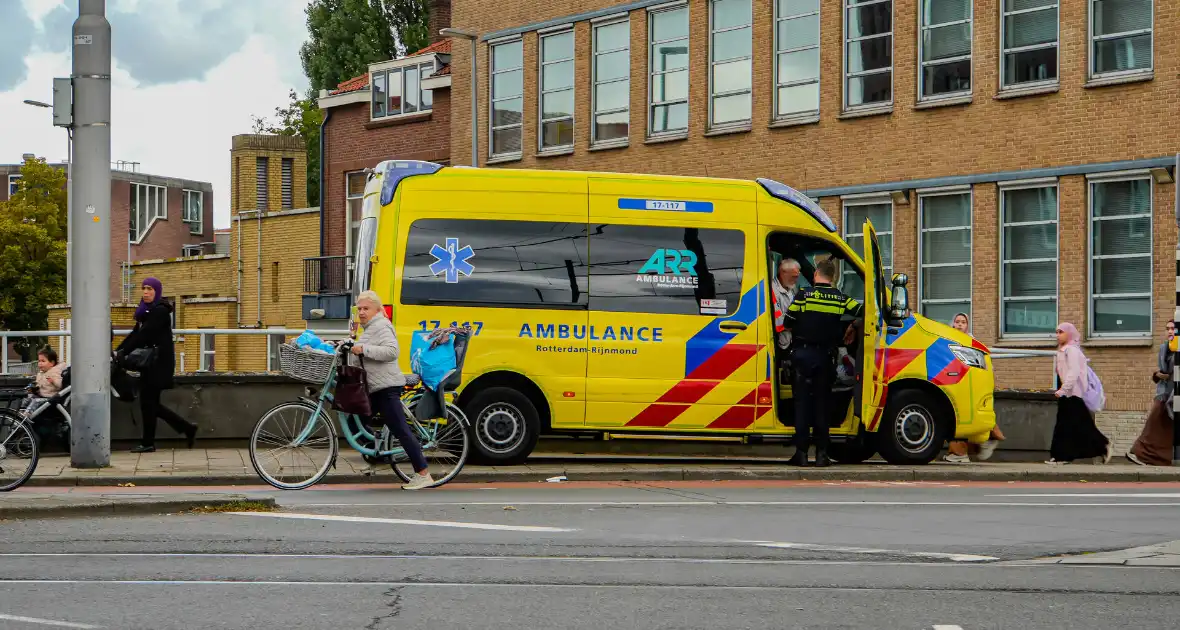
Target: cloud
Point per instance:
(16, 37)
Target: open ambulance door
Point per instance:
(872, 376)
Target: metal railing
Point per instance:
(327, 274)
(208, 349)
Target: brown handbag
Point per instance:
(352, 390)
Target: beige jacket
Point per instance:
(379, 345)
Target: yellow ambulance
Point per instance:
(631, 305)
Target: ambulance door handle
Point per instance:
(732, 326)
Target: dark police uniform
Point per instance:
(814, 318)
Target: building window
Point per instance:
(507, 264)
(207, 362)
(1121, 37)
(868, 53)
(557, 90)
(507, 98)
(856, 212)
(796, 62)
(944, 48)
(668, 91)
(1028, 256)
(13, 185)
(148, 204)
(1120, 257)
(261, 184)
(1028, 36)
(354, 197)
(193, 212)
(187, 251)
(650, 269)
(612, 82)
(730, 69)
(272, 351)
(399, 90)
(288, 183)
(944, 281)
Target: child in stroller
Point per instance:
(48, 391)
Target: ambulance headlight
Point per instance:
(969, 356)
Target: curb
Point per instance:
(124, 507)
(678, 473)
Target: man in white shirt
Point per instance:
(785, 286)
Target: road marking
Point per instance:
(954, 557)
(990, 504)
(948, 628)
(46, 622)
(403, 521)
(1125, 495)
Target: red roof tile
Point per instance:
(445, 70)
(359, 83)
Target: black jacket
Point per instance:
(154, 331)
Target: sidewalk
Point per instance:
(28, 505)
(232, 466)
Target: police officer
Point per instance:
(814, 319)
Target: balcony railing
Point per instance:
(327, 275)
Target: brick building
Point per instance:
(1016, 162)
(151, 217)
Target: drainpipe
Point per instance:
(323, 182)
(239, 297)
(259, 268)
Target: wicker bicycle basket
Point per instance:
(305, 365)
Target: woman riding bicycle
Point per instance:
(378, 346)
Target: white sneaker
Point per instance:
(951, 458)
(987, 449)
(1054, 462)
(1131, 456)
(418, 482)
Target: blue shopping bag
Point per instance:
(435, 364)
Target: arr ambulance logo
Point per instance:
(670, 267)
(451, 260)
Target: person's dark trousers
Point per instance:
(812, 390)
(149, 405)
(387, 402)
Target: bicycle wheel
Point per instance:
(444, 443)
(277, 457)
(19, 451)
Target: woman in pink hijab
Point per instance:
(1075, 436)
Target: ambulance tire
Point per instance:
(505, 426)
(910, 432)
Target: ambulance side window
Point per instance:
(666, 270)
(509, 264)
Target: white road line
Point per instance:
(403, 521)
(46, 622)
(948, 628)
(1120, 495)
(955, 557)
(743, 503)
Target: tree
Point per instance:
(410, 20)
(301, 117)
(33, 249)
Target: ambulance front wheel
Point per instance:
(505, 425)
(910, 432)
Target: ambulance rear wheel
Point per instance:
(910, 432)
(505, 425)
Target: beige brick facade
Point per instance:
(246, 188)
(992, 137)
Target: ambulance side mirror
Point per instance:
(899, 307)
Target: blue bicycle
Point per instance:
(295, 444)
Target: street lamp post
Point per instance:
(474, 39)
(69, 202)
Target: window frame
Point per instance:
(149, 218)
(1092, 46)
(922, 195)
(808, 115)
(541, 91)
(594, 83)
(492, 100)
(846, 74)
(1111, 178)
(712, 95)
(649, 38)
(187, 248)
(1005, 187)
(399, 70)
(272, 358)
(871, 199)
(1029, 85)
(208, 356)
(349, 223)
(969, 57)
(195, 226)
(12, 179)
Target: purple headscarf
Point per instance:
(142, 310)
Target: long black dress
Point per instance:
(1075, 435)
(155, 331)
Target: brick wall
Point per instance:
(353, 143)
(245, 151)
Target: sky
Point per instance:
(186, 77)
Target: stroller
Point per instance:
(50, 417)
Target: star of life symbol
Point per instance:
(451, 260)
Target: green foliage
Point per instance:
(33, 248)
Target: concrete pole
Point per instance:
(91, 315)
(69, 215)
(475, 102)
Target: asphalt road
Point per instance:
(669, 555)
